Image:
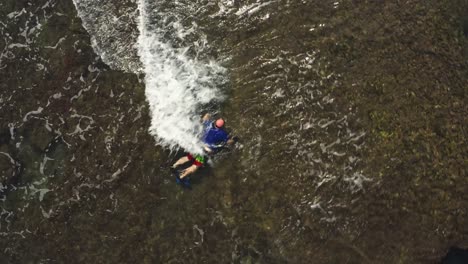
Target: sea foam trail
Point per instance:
(177, 85)
(111, 26)
(157, 42)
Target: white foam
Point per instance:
(18, 45)
(110, 28)
(16, 13)
(12, 161)
(176, 84)
(12, 130)
(36, 112)
(56, 44)
(251, 9)
(356, 180)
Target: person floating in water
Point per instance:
(214, 139)
(214, 135)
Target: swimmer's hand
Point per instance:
(206, 117)
(208, 150)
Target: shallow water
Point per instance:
(332, 166)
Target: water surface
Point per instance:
(351, 118)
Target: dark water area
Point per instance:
(456, 256)
(352, 123)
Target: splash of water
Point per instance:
(111, 26)
(158, 43)
(177, 85)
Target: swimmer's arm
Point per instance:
(206, 117)
(207, 149)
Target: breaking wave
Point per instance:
(158, 39)
(177, 83)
